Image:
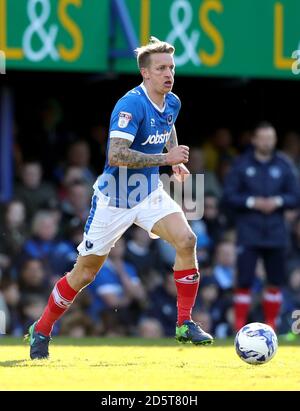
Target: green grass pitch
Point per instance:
(133, 364)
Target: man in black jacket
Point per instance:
(259, 187)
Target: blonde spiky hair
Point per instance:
(154, 46)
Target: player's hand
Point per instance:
(180, 172)
(265, 205)
(177, 155)
(270, 205)
(259, 204)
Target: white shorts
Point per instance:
(106, 224)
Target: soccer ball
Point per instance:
(256, 343)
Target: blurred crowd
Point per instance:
(134, 293)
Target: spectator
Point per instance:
(76, 325)
(31, 309)
(29, 265)
(50, 139)
(196, 166)
(244, 141)
(142, 253)
(208, 294)
(291, 300)
(33, 278)
(118, 289)
(214, 220)
(64, 254)
(162, 305)
(42, 243)
(72, 175)
(112, 324)
(76, 205)
(13, 232)
(44, 231)
(224, 268)
(9, 304)
(260, 186)
(32, 191)
(224, 167)
(291, 148)
(226, 327)
(293, 259)
(217, 148)
(78, 155)
(203, 244)
(150, 328)
(212, 302)
(97, 142)
(166, 254)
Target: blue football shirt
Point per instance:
(137, 119)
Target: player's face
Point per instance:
(160, 73)
(265, 140)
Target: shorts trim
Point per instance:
(92, 214)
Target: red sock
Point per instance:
(187, 283)
(59, 301)
(242, 301)
(272, 299)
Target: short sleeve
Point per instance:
(126, 118)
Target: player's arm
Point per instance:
(121, 155)
(172, 142)
(180, 171)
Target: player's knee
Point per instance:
(88, 275)
(186, 242)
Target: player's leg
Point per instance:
(272, 298)
(175, 229)
(66, 289)
(61, 298)
(162, 217)
(246, 265)
(85, 270)
(105, 225)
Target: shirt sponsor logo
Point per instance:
(157, 138)
(124, 119)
